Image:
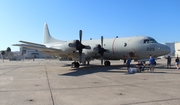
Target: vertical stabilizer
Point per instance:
(47, 37)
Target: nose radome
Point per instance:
(168, 50)
(165, 49)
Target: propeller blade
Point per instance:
(101, 49)
(80, 35)
(101, 60)
(80, 46)
(101, 41)
(80, 56)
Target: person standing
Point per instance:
(124, 61)
(140, 66)
(128, 63)
(151, 64)
(168, 62)
(177, 63)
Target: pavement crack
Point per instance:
(49, 86)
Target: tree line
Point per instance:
(8, 50)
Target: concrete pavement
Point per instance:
(53, 82)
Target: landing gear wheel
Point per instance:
(87, 62)
(107, 63)
(75, 65)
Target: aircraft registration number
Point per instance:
(150, 49)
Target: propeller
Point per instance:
(80, 46)
(101, 50)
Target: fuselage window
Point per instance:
(125, 44)
(146, 41)
(152, 41)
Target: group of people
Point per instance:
(169, 62)
(152, 63)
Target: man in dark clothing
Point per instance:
(168, 61)
(177, 63)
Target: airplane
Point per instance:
(135, 47)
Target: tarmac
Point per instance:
(53, 82)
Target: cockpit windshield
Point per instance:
(150, 41)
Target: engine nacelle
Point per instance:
(94, 50)
(69, 47)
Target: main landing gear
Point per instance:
(107, 63)
(75, 65)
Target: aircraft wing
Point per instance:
(43, 49)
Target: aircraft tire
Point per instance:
(107, 63)
(75, 65)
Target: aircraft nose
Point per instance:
(164, 49)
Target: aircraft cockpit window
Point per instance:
(146, 41)
(150, 41)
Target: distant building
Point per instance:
(177, 49)
(24, 53)
(32, 53)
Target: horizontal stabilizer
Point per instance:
(31, 43)
(40, 48)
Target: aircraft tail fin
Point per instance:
(47, 37)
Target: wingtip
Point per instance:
(14, 44)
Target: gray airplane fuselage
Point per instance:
(137, 47)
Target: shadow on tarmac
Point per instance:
(90, 69)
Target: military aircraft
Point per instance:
(136, 47)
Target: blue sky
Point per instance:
(24, 19)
